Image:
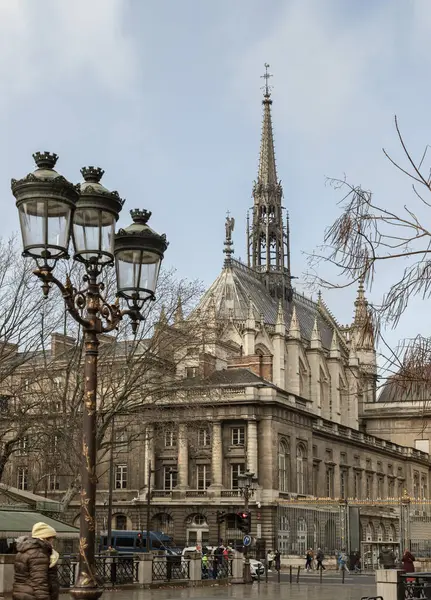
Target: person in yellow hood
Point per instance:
(36, 576)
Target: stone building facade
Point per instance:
(278, 388)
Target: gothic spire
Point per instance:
(268, 234)
(316, 339)
(267, 174)
(294, 329)
(280, 325)
(363, 328)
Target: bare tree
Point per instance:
(368, 235)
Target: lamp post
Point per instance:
(52, 211)
(247, 483)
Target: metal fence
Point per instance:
(110, 570)
(361, 525)
(414, 587)
(216, 568)
(168, 570)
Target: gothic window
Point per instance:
(324, 393)
(303, 380)
(283, 466)
(53, 482)
(300, 469)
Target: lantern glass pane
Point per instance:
(45, 227)
(137, 273)
(93, 234)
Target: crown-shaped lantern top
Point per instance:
(140, 216)
(45, 160)
(92, 174)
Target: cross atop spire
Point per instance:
(266, 76)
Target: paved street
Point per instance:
(360, 587)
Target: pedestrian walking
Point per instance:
(319, 558)
(308, 560)
(270, 559)
(277, 560)
(387, 558)
(343, 561)
(408, 562)
(36, 576)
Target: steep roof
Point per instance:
(237, 286)
(226, 377)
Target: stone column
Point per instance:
(145, 569)
(252, 451)
(183, 457)
(217, 456)
(149, 455)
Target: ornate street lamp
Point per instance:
(247, 484)
(49, 206)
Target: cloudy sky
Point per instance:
(165, 96)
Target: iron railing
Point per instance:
(165, 569)
(216, 568)
(414, 586)
(110, 570)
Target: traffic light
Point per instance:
(244, 521)
(221, 516)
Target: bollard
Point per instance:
(278, 575)
(258, 575)
(321, 574)
(297, 576)
(343, 574)
(266, 571)
(290, 574)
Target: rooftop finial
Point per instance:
(228, 245)
(266, 76)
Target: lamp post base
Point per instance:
(247, 572)
(86, 593)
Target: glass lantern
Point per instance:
(46, 202)
(94, 221)
(138, 253)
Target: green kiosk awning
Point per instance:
(14, 523)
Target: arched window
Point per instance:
(120, 522)
(300, 469)
(392, 533)
(162, 522)
(381, 532)
(369, 533)
(283, 466)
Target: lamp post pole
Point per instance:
(49, 208)
(247, 483)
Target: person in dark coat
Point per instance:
(408, 562)
(36, 576)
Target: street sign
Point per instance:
(247, 540)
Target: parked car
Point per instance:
(256, 568)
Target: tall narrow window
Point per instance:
(23, 446)
(329, 482)
(316, 480)
(300, 469)
(369, 487)
(22, 479)
(170, 439)
(121, 477)
(238, 436)
(204, 440)
(203, 476)
(236, 470)
(343, 484)
(283, 466)
(170, 478)
(357, 485)
(53, 482)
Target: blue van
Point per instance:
(130, 542)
